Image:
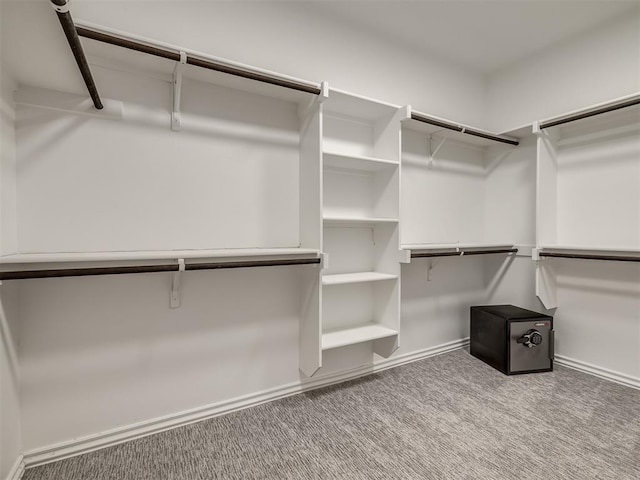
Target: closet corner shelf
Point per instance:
(123, 256)
(352, 336)
(430, 124)
(359, 277)
(455, 246)
(457, 249)
(357, 221)
(359, 163)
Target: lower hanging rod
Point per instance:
(82, 272)
(613, 258)
(462, 253)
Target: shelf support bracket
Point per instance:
(175, 284)
(433, 153)
(176, 121)
(324, 260)
(535, 254)
(429, 269)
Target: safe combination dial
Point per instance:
(531, 339)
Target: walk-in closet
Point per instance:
(264, 239)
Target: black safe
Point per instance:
(512, 339)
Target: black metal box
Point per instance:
(512, 339)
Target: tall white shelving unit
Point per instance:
(359, 296)
(585, 207)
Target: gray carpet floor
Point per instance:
(446, 417)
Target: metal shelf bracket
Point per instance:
(176, 120)
(175, 284)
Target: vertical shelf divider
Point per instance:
(546, 213)
(310, 329)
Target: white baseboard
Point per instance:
(17, 470)
(607, 374)
(98, 441)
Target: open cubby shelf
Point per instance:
(354, 335)
(356, 277)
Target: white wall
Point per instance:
(10, 429)
(8, 230)
(228, 179)
(597, 321)
(597, 66)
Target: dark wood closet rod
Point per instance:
(462, 253)
(196, 61)
(457, 128)
(590, 113)
(62, 11)
(614, 258)
(82, 272)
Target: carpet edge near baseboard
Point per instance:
(79, 446)
(604, 373)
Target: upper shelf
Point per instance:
(71, 257)
(110, 48)
(629, 104)
(429, 124)
(590, 253)
(457, 249)
(454, 246)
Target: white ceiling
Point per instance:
(483, 35)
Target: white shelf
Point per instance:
(358, 163)
(456, 246)
(600, 117)
(582, 248)
(155, 255)
(357, 221)
(465, 138)
(108, 56)
(351, 336)
(359, 277)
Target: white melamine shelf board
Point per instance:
(358, 163)
(156, 255)
(350, 105)
(453, 246)
(351, 336)
(357, 221)
(582, 248)
(359, 277)
(595, 107)
(429, 129)
(110, 56)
